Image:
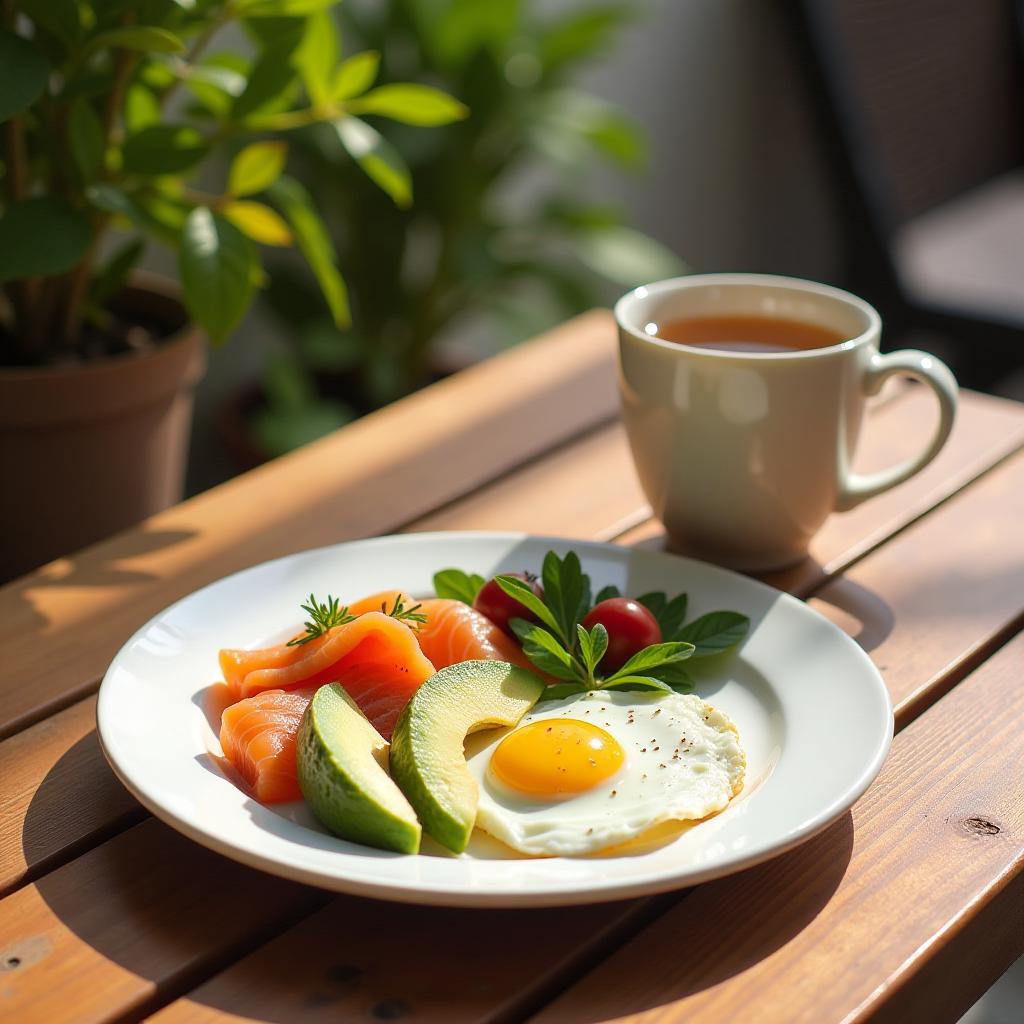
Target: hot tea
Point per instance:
(748, 334)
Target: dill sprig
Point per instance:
(322, 617)
(403, 614)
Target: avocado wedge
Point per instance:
(427, 758)
(341, 760)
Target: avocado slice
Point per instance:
(427, 758)
(342, 761)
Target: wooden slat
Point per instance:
(987, 430)
(907, 675)
(58, 795)
(388, 963)
(61, 626)
(845, 927)
(121, 926)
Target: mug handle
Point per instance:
(856, 487)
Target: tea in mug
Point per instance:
(747, 334)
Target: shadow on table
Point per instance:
(93, 567)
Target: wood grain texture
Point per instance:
(121, 926)
(60, 626)
(936, 599)
(987, 430)
(495, 965)
(845, 928)
(58, 794)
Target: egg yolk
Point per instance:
(556, 757)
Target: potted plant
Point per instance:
(502, 241)
(115, 117)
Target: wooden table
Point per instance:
(904, 910)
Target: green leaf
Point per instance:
(40, 237)
(85, 137)
(313, 240)
(654, 656)
(217, 82)
(456, 585)
(544, 650)
(272, 83)
(566, 592)
(593, 646)
(144, 38)
(580, 34)
(670, 614)
(354, 76)
(111, 279)
(163, 149)
(281, 8)
(411, 104)
(216, 262)
(58, 17)
(24, 72)
(559, 691)
(258, 221)
(715, 632)
(625, 256)
(256, 168)
(317, 56)
(377, 157)
(519, 590)
(141, 108)
(635, 682)
(607, 592)
(676, 676)
(618, 137)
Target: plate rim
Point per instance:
(411, 891)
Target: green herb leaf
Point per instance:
(559, 691)
(258, 221)
(566, 592)
(24, 72)
(400, 611)
(593, 646)
(635, 682)
(216, 262)
(315, 243)
(714, 632)
(379, 160)
(272, 82)
(545, 650)
(670, 614)
(355, 75)
(456, 585)
(281, 8)
(256, 168)
(322, 617)
(676, 676)
(605, 593)
(411, 104)
(85, 136)
(525, 596)
(652, 657)
(141, 108)
(317, 56)
(163, 149)
(40, 237)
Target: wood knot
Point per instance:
(980, 827)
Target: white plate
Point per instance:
(813, 714)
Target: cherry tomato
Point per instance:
(493, 602)
(631, 628)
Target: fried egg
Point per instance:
(600, 768)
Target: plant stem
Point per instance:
(199, 44)
(124, 64)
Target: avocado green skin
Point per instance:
(329, 782)
(427, 759)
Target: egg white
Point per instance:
(683, 761)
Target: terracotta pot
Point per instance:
(90, 449)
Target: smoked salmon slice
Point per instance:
(258, 735)
(375, 657)
(455, 632)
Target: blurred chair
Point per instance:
(920, 106)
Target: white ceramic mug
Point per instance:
(744, 455)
